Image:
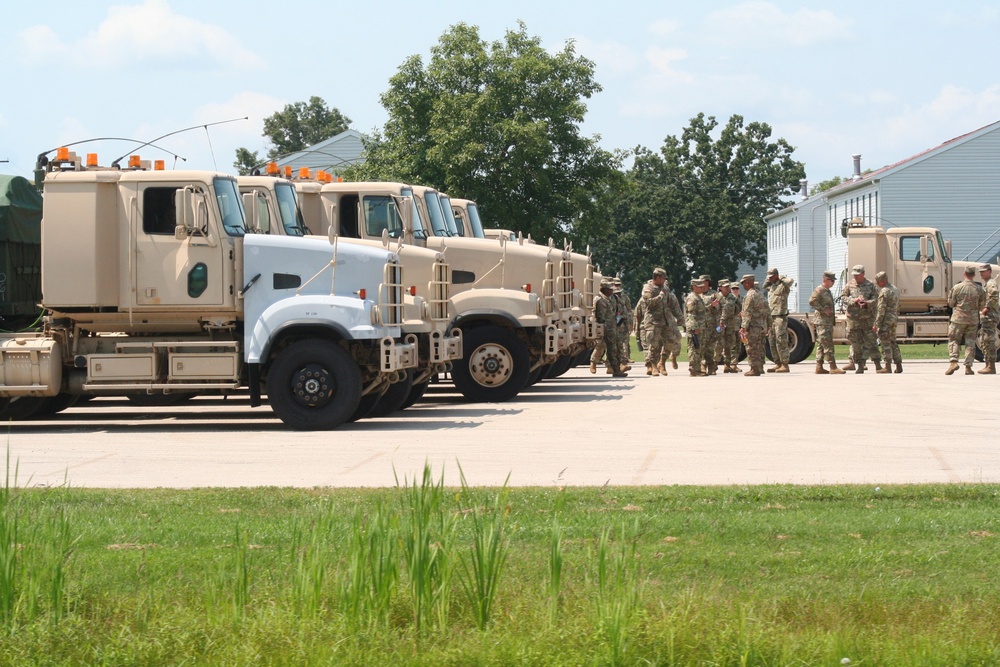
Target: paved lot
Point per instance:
(581, 429)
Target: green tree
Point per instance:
(498, 123)
(294, 128)
(697, 206)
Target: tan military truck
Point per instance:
(150, 283)
(917, 260)
(426, 315)
(505, 298)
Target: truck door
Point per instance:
(921, 273)
(172, 271)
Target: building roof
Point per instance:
(333, 154)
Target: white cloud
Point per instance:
(664, 27)
(764, 24)
(150, 32)
(663, 61)
(614, 56)
(953, 112)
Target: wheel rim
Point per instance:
(312, 386)
(490, 365)
(793, 340)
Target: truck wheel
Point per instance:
(800, 343)
(56, 404)
(366, 406)
(22, 408)
(416, 393)
(561, 365)
(537, 375)
(583, 358)
(394, 397)
(314, 385)
(494, 366)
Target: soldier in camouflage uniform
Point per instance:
(604, 313)
(778, 289)
(754, 325)
(824, 318)
(861, 295)
(989, 316)
(654, 321)
(675, 320)
(710, 339)
(624, 313)
(967, 300)
(730, 328)
(695, 315)
(886, 316)
(735, 286)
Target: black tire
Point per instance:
(494, 366)
(145, 400)
(583, 358)
(743, 352)
(394, 397)
(800, 342)
(560, 367)
(22, 408)
(535, 376)
(366, 406)
(416, 393)
(56, 404)
(314, 385)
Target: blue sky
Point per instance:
(883, 79)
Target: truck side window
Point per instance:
(909, 249)
(347, 210)
(159, 216)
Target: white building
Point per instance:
(954, 187)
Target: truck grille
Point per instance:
(440, 292)
(588, 287)
(564, 288)
(549, 289)
(390, 294)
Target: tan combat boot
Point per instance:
(882, 371)
(609, 370)
(783, 368)
(878, 366)
(989, 369)
(968, 370)
(753, 372)
(860, 369)
(661, 367)
(899, 366)
(952, 367)
(650, 368)
(820, 370)
(774, 369)
(593, 366)
(850, 365)
(834, 370)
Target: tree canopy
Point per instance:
(294, 128)
(498, 123)
(698, 205)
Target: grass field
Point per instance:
(427, 575)
(914, 351)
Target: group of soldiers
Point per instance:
(717, 322)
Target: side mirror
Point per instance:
(183, 212)
(923, 248)
(250, 211)
(947, 248)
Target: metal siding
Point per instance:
(796, 244)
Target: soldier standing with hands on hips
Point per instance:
(967, 300)
(824, 319)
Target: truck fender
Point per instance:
(519, 307)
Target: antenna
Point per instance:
(186, 129)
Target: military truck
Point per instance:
(505, 297)
(917, 260)
(426, 316)
(150, 283)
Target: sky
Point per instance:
(886, 79)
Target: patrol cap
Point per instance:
(772, 272)
(735, 284)
(830, 275)
(880, 276)
(696, 282)
(703, 277)
(858, 269)
(659, 271)
(985, 267)
(723, 283)
(606, 283)
(970, 271)
(616, 281)
(748, 278)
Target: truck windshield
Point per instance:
(419, 230)
(288, 209)
(944, 250)
(438, 225)
(227, 196)
(449, 216)
(477, 225)
(381, 215)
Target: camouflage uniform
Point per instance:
(638, 314)
(988, 325)
(695, 316)
(604, 313)
(966, 300)
(737, 319)
(886, 316)
(777, 301)
(730, 335)
(672, 337)
(823, 319)
(710, 336)
(756, 314)
(860, 319)
(654, 325)
(623, 312)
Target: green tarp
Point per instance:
(20, 211)
(20, 252)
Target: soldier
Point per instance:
(695, 315)
(753, 327)
(604, 313)
(967, 300)
(735, 286)
(824, 318)
(638, 314)
(710, 339)
(886, 316)
(730, 328)
(654, 321)
(623, 313)
(860, 296)
(778, 289)
(675, 320)
(989, 316)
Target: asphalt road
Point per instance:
(581, 429)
